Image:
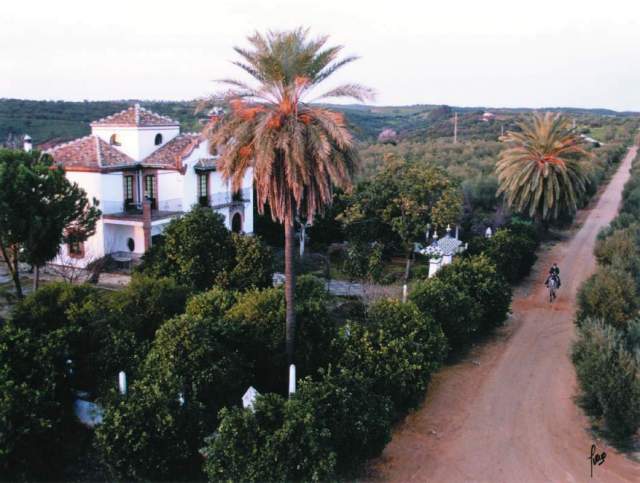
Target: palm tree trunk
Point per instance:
(289, 289)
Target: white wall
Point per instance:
(190, 178)
(170, 190)
(147, 137)
(112, 192)
(93, 249)
(90, 182)
(137, 142)
(116, 237)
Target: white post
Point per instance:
(122, 383)
(404, 293)
(455, 128)
(303, 233)
(292, 379)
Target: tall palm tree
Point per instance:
(298, 151)
(539, 171)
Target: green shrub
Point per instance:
(148, 434)
(279, 440)
(478, 278)
(619, 250)
(211, 304)
(196, 249)
(260, 316)
(122, 326)
(47, 308)
(513, 253)
(252, 266)
(35, 402)
(451, 307)
(608, 295)
(358, 419)
(398, 350)
(609, 377)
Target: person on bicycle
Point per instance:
(554, 271)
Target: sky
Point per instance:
(537, 53)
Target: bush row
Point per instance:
(606, 353)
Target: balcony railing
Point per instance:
(226, 198)
(111, 206)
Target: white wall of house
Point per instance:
(147, 137)
(90, 182)
(93, 249)
(137, 142)
(170, 191)
(116, 237)
(112, 192)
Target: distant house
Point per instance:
(144, 173)
(488, 116)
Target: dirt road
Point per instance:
(507, 413)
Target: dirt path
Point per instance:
(507, 413)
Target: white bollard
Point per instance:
(404, 293)
(292, 379)
(122, 383)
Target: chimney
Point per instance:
(146, 223)
(26, 143)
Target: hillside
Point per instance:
(63, 120)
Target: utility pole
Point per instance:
(455, 128)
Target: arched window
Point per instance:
(114, 140)
(131, 244)
(158, 140)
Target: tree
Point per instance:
(278, 440)
(539, 171)
(609, 295)
(190, 373)
(512, 252)
(478, 278)
(196, 249)
(35, 403)
(39, 209)
(452, 307)
(609, 377)
(120, 327)
(298, 151)
(398, 349)
(405, 198)
(252, 266)
(259, 315)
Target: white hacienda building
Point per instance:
(144, 172)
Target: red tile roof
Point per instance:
(135, 116)
(93, 154)
(171, 154)
(89, 153)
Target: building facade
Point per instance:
(144, 172)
